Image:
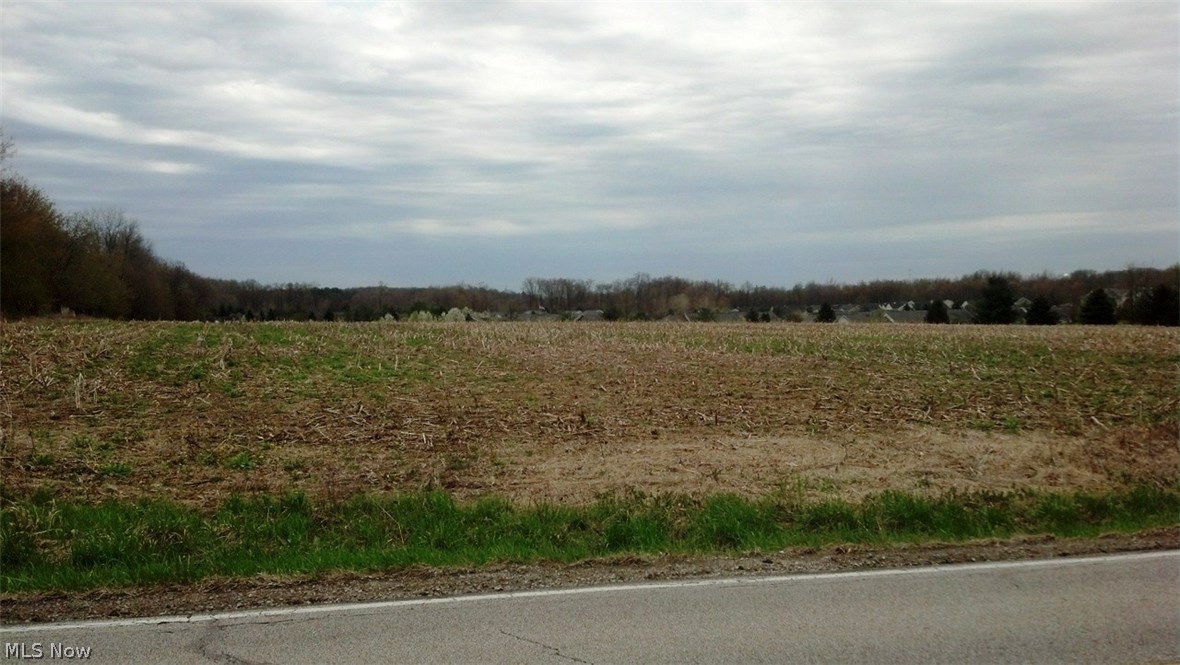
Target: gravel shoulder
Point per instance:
(269, 591)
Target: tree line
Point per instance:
(1158, 305)
(97, 263)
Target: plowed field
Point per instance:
(568, 411)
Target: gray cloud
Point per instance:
(776, 142)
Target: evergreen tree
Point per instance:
(1041, 313)
(1161, 307)
(1097, 309)
(826, 314)
(937, 313)
(995, 302)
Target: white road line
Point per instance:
(646, 586)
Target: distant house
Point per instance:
(961, 316)
(875, 316)
(1065, 312)
(906, 316)
(894, 312)
(1118, 296)
(589, 315)
(731, 316)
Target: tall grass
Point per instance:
(49, 544)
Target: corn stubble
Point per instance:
(567, 412)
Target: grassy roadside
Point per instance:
(46, 544)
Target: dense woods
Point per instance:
(97, 263)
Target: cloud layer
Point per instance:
(418, 143)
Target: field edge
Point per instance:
(264, 591)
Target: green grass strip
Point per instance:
(53, 545)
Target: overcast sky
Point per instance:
(348, 144)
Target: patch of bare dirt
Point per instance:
(265, 591)
(911, 459)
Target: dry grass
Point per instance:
(566, 411)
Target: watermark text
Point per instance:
(45, 651)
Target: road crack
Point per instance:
(557, 652)
(209, 651)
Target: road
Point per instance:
(1110, 609)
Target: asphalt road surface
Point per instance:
(1110, 609)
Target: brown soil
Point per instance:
(564, 412)
(911, 459)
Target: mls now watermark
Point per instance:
(50, 650)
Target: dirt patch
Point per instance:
(913, 459)
(263, 591)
